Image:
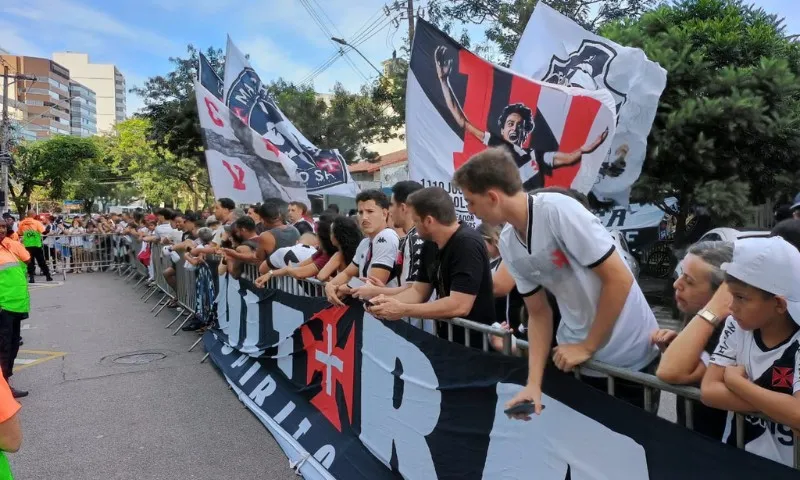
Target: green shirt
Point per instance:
(5, 468)
(31, 238)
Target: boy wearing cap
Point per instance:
(756, 365)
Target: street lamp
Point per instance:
(344, 42)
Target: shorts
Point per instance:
(66, 251)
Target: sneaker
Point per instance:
(192, 326)
(49, 278)
(31, 280)
(18, 393)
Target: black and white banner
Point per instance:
(458, 104)
(557, 50)
(241, 164)
(351, 397)
(323, 171)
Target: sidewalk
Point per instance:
(93, 415)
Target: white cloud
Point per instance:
(76, 17)
(16, 42)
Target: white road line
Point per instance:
(24, 361)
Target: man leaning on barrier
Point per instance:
(454, 262)
(552, 242)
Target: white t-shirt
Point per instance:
(776, 369)
(379, 252)
(293, 255)
(564, 242)
(217, 238)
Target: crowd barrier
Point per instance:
(184, 296)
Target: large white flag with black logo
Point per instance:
(555, 49)
(323, 171)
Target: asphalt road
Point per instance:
(89, 417)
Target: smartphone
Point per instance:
(355, 282)
(524, 408)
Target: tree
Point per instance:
(343, 120)
(725, 134)
(507, 19)
(159, 175)
(171, 108)
(95, 178)
(48, 163)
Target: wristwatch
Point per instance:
(709, 317)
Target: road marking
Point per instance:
(40, 286)
(44, 356)
(27, 326)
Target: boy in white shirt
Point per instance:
(756, 365)
(552, 242)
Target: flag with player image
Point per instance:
(458, 104)
(557, 50)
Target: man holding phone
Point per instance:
(377, 252)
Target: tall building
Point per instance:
(83, 105)
(46, 100)
(105, 80)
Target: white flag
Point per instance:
(242, 165)
(555, 49)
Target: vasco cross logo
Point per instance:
(587, 67)
(330, 345)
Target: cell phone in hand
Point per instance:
(522, 408)
(355, 282)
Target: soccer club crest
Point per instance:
(587, 67)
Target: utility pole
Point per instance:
(410, 14)
(5, 159)
(5, 140)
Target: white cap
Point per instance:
(771, 264)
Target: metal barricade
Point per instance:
(185, 295)
(83, 253)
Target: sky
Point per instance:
(281, 36)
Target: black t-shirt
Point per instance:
(461, 266)
(304, 227)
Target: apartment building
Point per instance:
(83, 105)
(105, 80)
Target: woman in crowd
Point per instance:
(345, 236)
(313, 265)
(686, 355)
(75, 237)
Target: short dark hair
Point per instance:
(333, 208)
(166, 213)
(226, 203)
(520, 109)
(401, 190)
(302, 206)
(245, 223)
(491, 168)
(269, 211)
(571, 193)
(377, 196)
(191, 217)
(788, 230)
(433, 202)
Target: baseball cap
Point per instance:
(771, 264)
(796, 202)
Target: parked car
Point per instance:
(625, 251)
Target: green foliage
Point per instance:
(343, 120)
(171, 107)
(507, 19)
(725, 135)
(50, 164)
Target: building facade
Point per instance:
(105, 80)
(83, 106)
(46, 100)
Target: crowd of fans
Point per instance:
(540, 265)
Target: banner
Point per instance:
(458, 104)
(351, 397)
(323, 171)
(242, 165)
(557, 50)
(208, 78)
(641, 224)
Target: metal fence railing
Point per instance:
(185, 296)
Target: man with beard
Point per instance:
(533, 156)
(455, 264)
